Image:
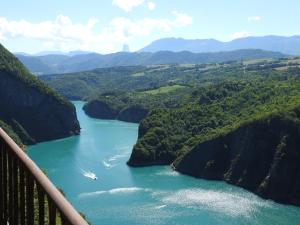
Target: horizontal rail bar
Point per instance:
(64, 207)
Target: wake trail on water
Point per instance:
(114, 191)
(89, 174)
(107, 164)
(113, 160)
(160, 206)
(116, 157)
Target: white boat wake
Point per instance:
(116, 157)
(107, 165)
(160, 206)
(89, 174)
(125, 190)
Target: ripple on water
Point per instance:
(116, 157)
(228, 203)
(169, 173)
(126, 190)
(107, 165)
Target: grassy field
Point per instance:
(162, 90)
(138, 74)
(255, 61)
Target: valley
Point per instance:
(146, 112)
(184, 107)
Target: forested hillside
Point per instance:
(246, 133)
(236, 121)
(167, 133)
(84, 85)
(30, 111)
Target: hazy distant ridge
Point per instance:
(50, 64)
(286, 45)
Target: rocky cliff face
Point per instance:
(101, 110)
(262, 157)
(133, 114)
(34, 111)
(107, 110)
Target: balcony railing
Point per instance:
(27, 197)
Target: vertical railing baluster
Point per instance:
(16, 191)
(29, 199)
(52, 212)
(64, 221)
(11, 187)
(22, 194)
(41, 200)
(1, 182)
(23, 188)
(5, 216)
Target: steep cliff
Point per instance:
(101, 110)
(132, 114)
(33, 110)
(262, 156)
(112, 108)
(247, 134)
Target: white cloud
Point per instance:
(151, 6)
(127, 5)
(240, 34)
(254, 18)
(65, 35)
(2, 38)
(182, 19)
(125, 29)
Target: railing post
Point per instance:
(11, 188)
(52, 212)
(16, 191)
(5, 216)
(22, 195)
(64, 221)
(1, 182)
(41, 198)
(29, 199)
(19, 176)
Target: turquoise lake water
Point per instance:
(151, 195)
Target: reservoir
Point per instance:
(91, 169)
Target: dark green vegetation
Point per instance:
(213, 111)
(30, 111)
(236, 121)
(50, 64)
(262, 156)
(113, 108)
(246, 132)
(85, 85)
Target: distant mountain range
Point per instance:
(71, 53)
(286, 45)
(50, 64)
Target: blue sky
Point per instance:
(105, 25)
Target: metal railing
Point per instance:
(27, 196)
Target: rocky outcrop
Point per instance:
(262, 156)
(156, 151)
(106, 109)
(34, 111)
(101, 110)
(132, 114)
